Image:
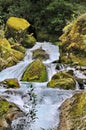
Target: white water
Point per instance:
(48, 100)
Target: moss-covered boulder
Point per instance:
(29, 41)
(8, 112)
(40, 54)
(18, 24)
(36, 72)
(16, 27)
(8, 56)
(10, 83)
(73, 113)
(63, 80)
(73, 45)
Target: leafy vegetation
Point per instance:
(47, 16)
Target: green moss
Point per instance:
(36, 72)
(16, 46)
(73, 112)
(4, 44)
(18, 55)
(19, 48)
(16, 28)
(5, 106)
(78, 110)
(62, 80)
(8, 56)
(79, 105)
(73, 41)
(29, 41)
(17, 23)
(11, 83)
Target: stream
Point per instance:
(48, 99)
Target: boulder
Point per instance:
(73, 113)
(73, 42)
(63, 80)
(8, 56)
(8, 112)
(16, 28)
(10, 83)
(40, 54)
(18, 24)
(36, 72)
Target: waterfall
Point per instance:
(48, 99)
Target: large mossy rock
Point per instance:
(16, 28)
(10, 83)
(18, 24)
(36, 72)
(8, 56)
(73, 42)
(73, 113)
(40, 54)
(8, 112)
(63, 80)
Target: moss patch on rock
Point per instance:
(10, 83)
(5, 106)
(16, 28)
(8, 112)
(40, 54)
(17, 23)
(8, 56)
(36, 72)
(73, 113)
(63, 80)
(73, 45)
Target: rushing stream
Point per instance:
(48, 99)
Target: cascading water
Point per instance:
(48, 99)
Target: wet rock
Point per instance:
(80, 82)
(8, 112)
(40, 54)
(75, 64)
(36, 72)
(58, 66)
(84, 72)
(83, 68)
(63, 80)
(73, 113)
(78, 67)
(10, 83)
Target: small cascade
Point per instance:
(48, 99)
(51, 69)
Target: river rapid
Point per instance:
(48, 99)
